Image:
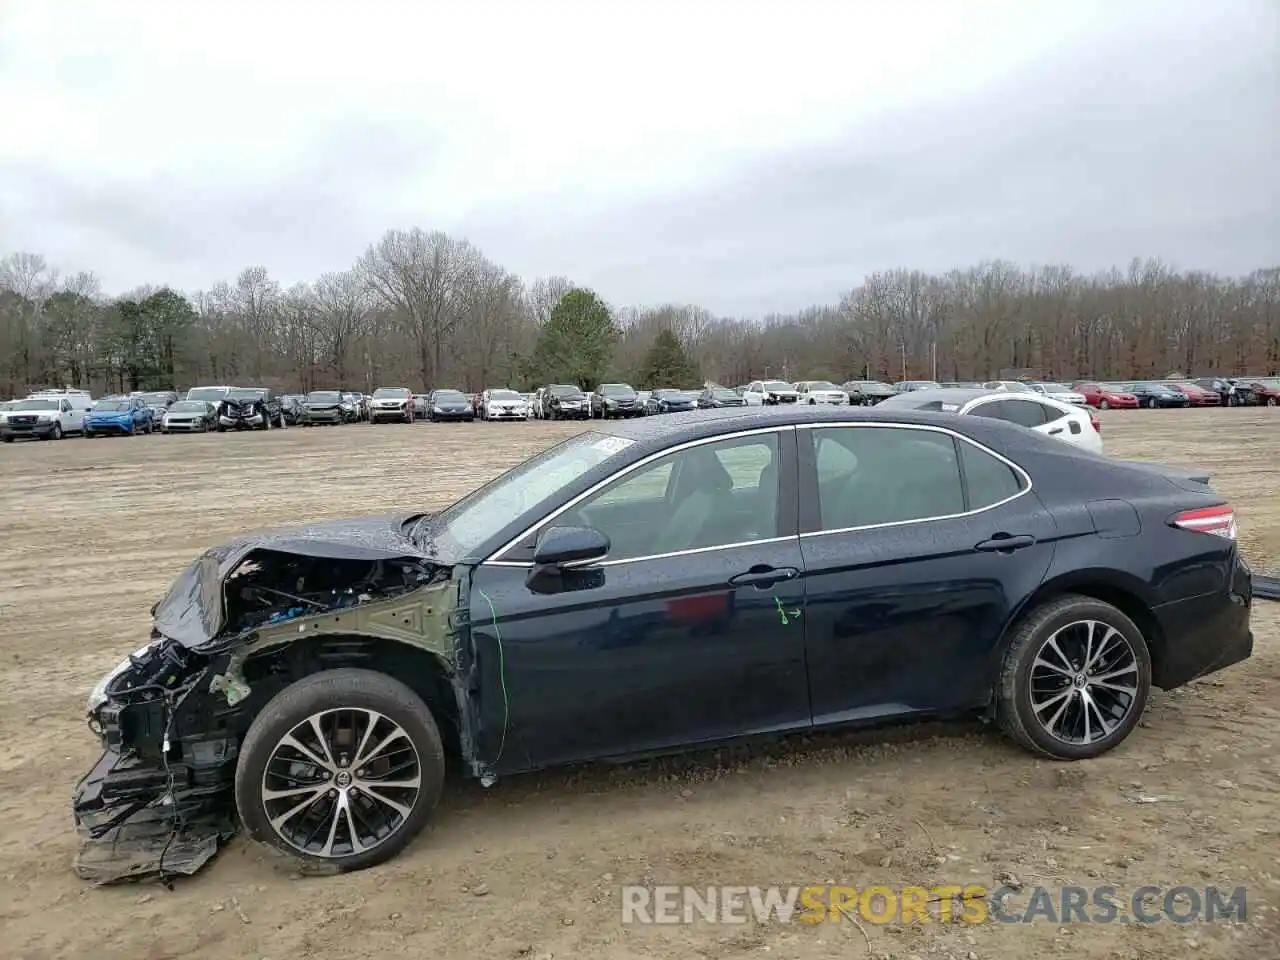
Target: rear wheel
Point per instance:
(1075, 679)
(1152, 404)
(1103, 405)
(342, 768)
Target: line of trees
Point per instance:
(425, 310)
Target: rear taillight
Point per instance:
(1093, 419)
(1216, 521)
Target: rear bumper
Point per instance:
(1205, 634)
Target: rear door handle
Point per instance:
(762, 577)
(1055, 430)
(1005, 543)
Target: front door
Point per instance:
(917, 546)
(690, 630)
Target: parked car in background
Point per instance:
(906, 386)
(667, 400)
(126, 416)
(821, 391)
(291, 407)
(250, 408)
(616, 400)
(391, 404)
(322, 407)
(159, 401)
(866, 393)
(1067, 422)
(214, 395)
(1153, 394)
(189, 416)
(501, 403)
(41, 418)
(564, 401)
(421, 405)
(1060, 392)
(1105, 396)
(713, 397)
(960, 385)
(450, 405)
(352, 404)
(775, 571)
(1009, 386)
(1198, 395)
(1266, 390)
(769, 393)
(1231, 392)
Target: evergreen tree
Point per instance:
(575, 345)
(667, 364)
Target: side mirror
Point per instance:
(570, 547)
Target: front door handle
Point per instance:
(762, 577)
(1005, 543)
(1055, 430)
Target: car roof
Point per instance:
(676, 428)
(956, 395)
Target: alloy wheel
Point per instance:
(341, 783)
(1084, 682)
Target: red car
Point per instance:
(1105, 396)
(1266, 391)
(1199, 396)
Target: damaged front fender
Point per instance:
(242, 623)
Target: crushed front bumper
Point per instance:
(138, 820)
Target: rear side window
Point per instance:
(877, 475)
(1026, 413)
(989, 479)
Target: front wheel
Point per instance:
(1075, 679)
(1271, 401)
(342, 768)
(1103, 405)
(56, 433)
(1152, 404)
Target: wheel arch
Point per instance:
(1125, 592)
(426, 673)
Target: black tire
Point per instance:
(1013, 691)
(6, 439)
(56, 432)
(1103, 405)
(344, 688)
(1152, 403)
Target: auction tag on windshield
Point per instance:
(612, 445)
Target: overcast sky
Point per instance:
(746, 156)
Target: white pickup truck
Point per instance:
(48, 417)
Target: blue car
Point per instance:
(123, 415)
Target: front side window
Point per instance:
(710, 495)
(876, 475)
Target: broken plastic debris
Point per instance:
(1153, 798)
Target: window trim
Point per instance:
(1016, 398)
(787, 443)
(809, 476)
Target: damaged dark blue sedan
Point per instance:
(645, 587)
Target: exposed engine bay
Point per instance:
(239, 625)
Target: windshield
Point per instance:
(822, 385)
(188, 406)
(34, 405)
(1016, 386)
(391, 393)
(451, 395)
(110, 405)
(324, 396)
(464, 527)
(615, 390)
(206, 393)
(1055, 388)
(1268, 381)
(503, 395)
(724, 393)
(777, 385)
(563, 390)
(1112, 388)
(246, 393)
(865, 384)
(162, 396)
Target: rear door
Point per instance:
(918, 545)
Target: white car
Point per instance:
(1011, 386)
(1060, 391)
(768, 392)
(821, 391)
(503, 405)
(46, 417)
(1062, 421)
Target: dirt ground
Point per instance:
(92, 532)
